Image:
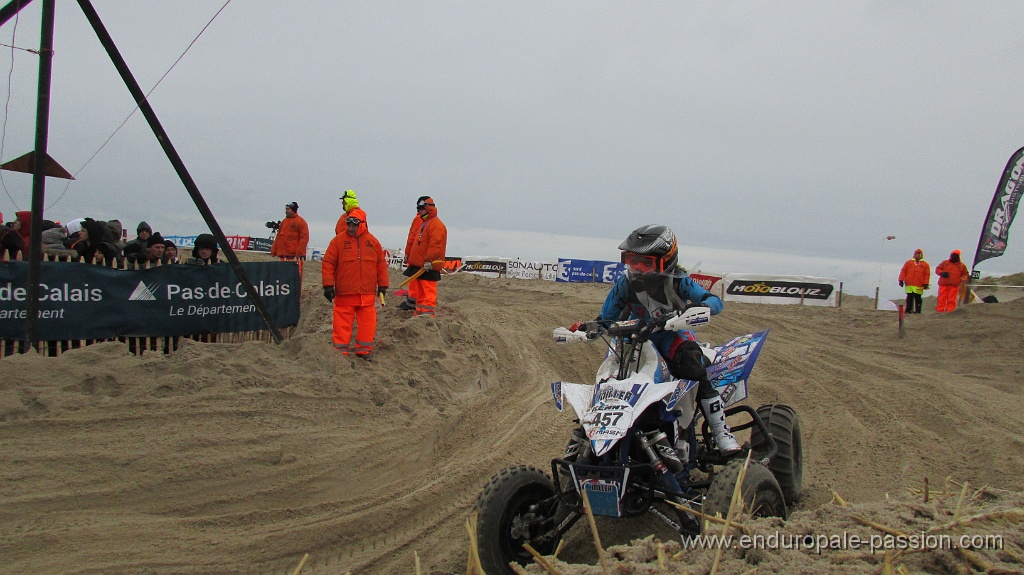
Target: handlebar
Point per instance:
(691, 317)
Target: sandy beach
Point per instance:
(241, 458)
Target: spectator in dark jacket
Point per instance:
(94, 245)
(153, 255)
(204, 252)
(170, 253)
(141, 242)
(11, 244)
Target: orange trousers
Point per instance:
(947, 298)
(358, 309)
(425, 294)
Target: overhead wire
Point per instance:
(7, 103)
(118, 129)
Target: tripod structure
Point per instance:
(40, 157)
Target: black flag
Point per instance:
(995, 232)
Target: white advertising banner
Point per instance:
(800, 290)
(519, 269)
(549, 271)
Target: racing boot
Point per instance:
(714, 412)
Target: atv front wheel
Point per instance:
(517, 506)
(762, 496)
(788, 464)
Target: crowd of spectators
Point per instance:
(101, 242)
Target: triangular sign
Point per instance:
(24, 164)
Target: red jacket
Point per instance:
(292, 238)
(916, 273)
(355, 265)
(26, 225)
(957, 273)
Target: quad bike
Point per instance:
(638, 447)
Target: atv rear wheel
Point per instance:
(515, 507)
(762, 496)
(787, 466)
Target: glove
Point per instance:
(428, 266)
(577, 326)
(926, 286)
(382, 290)
(944, 274)
(901, 283)
(329, 293)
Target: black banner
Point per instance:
(777, 288)
(83, 301)
(260, 244)
(995, 232)
(486, 267)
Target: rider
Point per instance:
(654, 285)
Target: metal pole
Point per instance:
(179, 165)
(35, 253)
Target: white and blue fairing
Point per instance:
(608, 409)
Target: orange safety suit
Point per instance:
(914, 276)
(949, 287)
(427, 242)
(356, 268)
(916, 273)
(292, 239)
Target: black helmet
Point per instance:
(650, 250)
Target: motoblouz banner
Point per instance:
(996, 231)
(804, 290)
(81, 301)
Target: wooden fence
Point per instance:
(136, 345)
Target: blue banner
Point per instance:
(589, 271)
(608, 272)
(576, 271)
(84, 301)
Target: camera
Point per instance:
(274, 225)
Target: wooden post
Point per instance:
(902, 313)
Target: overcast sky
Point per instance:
(786, 137)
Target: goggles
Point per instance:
(422, 205)
(353, 221)
(643, 263)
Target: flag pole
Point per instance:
(881, 249)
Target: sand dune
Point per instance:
(240, 458)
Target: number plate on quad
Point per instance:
(603, 497)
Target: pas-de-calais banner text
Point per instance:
(995, 232)
(82, 301)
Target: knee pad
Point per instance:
(687, 361)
